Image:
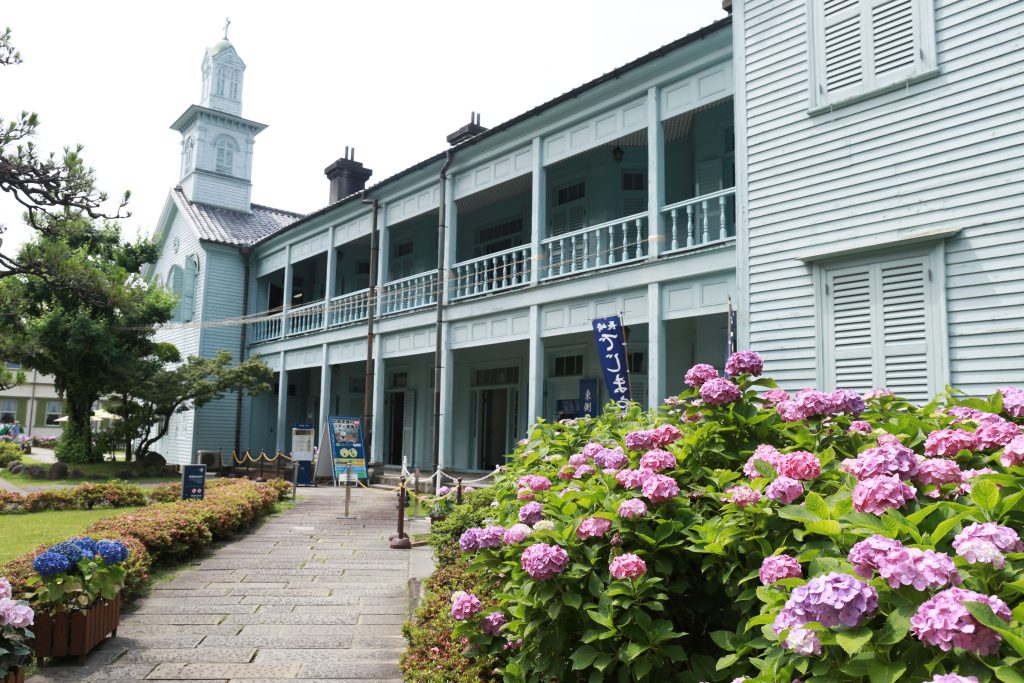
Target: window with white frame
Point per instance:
(8, 410)
(859, 47)
(881, 325)
(12, 366)
(224, 155)
(186, 163)
(53, 412)
(228, 82)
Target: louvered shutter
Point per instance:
(850, 328)
(842, 48)
(892, 36)
(409, 425)
(904, 307)
(187, 302)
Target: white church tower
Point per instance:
(216, 142)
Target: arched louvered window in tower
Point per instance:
(224, 151)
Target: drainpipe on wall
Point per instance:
(370, 305)
(32, 405)
(246, 252)
(441, 229)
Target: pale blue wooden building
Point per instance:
(842, 171)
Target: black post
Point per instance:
(401, 540)
(458, 493)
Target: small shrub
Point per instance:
(9, 452)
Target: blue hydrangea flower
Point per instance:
(70, 550)
(87, 544)
(51, 563)
(112, 552)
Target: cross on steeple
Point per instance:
(227, 22)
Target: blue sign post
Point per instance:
(590, 405)
(611, 351)
(347, 447)
(193, 482)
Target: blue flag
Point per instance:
(611, 351)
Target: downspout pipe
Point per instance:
(442, 275)
(371, 305)
(246, 252)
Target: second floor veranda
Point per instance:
(597, 210)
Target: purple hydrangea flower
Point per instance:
(944, 622)
(946, 443)
(831, 600)
(791, 411)
(846, 401)
(611, 458)
(813, 402)
(777, 567)
(803, 641)
(878, 494)
(938, 471)
(801, 465)
(742, 496)
(952, 678)
(972, 543)
(531, 513)
(517, 533)
(665, 434)
(1013, 401)
(632, 507)
(542, 561)
(16, 614)
(749, 362)
(775, 396)
(492, 623)
(593, 527)
(860, 426)
(699, 374)
(719, 391)
(1013, 453)
(886, 459)
(766, 453)
(534, 482)
(784, 489)
(866, 555)
(658, 488)
(632, 479)
(996, 433)
(657, 460)
(464, 605)
(628, 566)
(5, 588)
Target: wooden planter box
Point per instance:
(76, 634)
(17, 675)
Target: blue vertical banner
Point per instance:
(590, 406)
(611, 352)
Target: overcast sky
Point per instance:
(390, 78)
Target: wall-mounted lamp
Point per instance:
(617, 154)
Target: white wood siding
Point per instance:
(944, 152)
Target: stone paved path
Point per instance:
(306, 597)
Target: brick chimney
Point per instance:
(347, 176)
(471, 130)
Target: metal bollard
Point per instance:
(416, 494)
(458, 493)
(348, 486)
(401, 540)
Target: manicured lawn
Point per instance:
(108, 470)
(23, 532)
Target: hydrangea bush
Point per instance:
(75, 573)
(15, 619)
(743, 533)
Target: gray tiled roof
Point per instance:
(215, 224)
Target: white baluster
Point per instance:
(705, 233)
(675, 228)
(561, 256)
(722, 232)
(625, 241)
(639, 239)
(586, 250)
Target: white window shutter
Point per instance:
(892, 37)
(904, 307)
(843, 49)
(187, 302)
(849, 329)
(408, 425)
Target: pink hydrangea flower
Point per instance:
(846, 401)
(742, 496)
(592, 448)
(791, 411)
(639, 440)
(531, 513)
(517, 533)
(566, 472)
(593, 527)
(888, 440)
(632, 507)
(867, 555)
(633, 479)
(784, 489)
(952, 678)
(464, 605)
(719, 391)
(775, 396)
(542, 561)
(777, 567)
(658, 488)
(657, 460)
(922, 569)
(1002, 537)
(860, 426)
(946, 443)
(444, 491)
(665, 434)
(878, 494)
(1013, 453)
(5, 588)
(627, 566)
(525, 494)
(938, 471)
(611, 458)
(583, 471)
(14, 614)
(978, 551)
(801, 465)
(882, 392)
(577, 459)
(995, 433)
(944, 622)
(699, 374)
(749, 362)
(813, 402)
(492, 623)
(534, 482)
(965, 486)
(803, 641)
(830, 600)
(1013, 401)
(476, 538)
(886, 459)
(765, 452)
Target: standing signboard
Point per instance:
(303, 440)
(193, 482)
(340, 446)
(611, 352)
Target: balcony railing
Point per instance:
(305, 319)
(409, 293)
(491, 273)
(348, 308)
(701, 220)
(265, 329)
(611, 243)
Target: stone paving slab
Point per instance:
(207, 670)
(206, 654)
(303, 641)
(135, 618)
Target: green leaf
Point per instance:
(885, 672)
(572, 600)
(826, 527)
(634, 650)
(865, 520)
(583, 657)
(1008, 675)
(984, 614)
(944, 527)
(726, 661)
(853, 641)
(985, 495)
(765, 469)
(897, 626)
(817, 506)
(797, 513)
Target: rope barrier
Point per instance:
(248, 457)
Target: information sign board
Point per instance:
(345, 435)
(193, 482)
